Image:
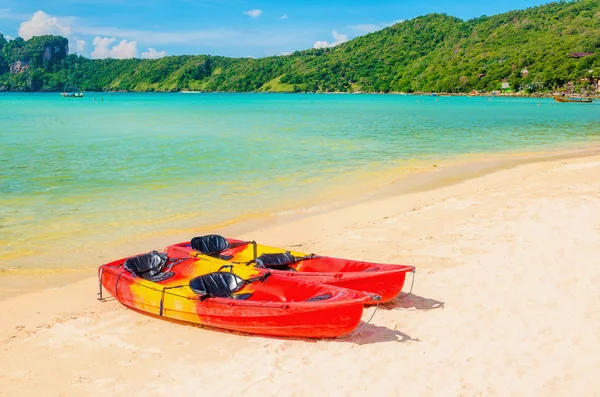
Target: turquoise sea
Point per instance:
(87, 173)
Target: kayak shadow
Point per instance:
(364, 334)
(412, 301)
(371, 333)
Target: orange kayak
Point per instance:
(384, 280)
(212, 292)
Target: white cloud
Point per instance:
(80, 46)
(125, 49)
(284, 16)
(338, 38)
(153, 54)
(253, 13)
(285, 53)
(101, 49)
(41, 24)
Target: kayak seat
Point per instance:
(218, 285)
(211, 245)
(149, 266)
(279, 261)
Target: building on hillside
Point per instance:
(524, 72)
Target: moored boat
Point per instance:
(72, 94)
(572, 99)
(212, 292)
(384, 280)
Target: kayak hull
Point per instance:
(383, 280)
(277, 306)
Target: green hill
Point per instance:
(538, 49)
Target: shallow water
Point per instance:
(106, 168)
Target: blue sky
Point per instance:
(239, 28)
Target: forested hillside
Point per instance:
(539, 49)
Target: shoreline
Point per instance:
(429, 175)
(534, 95)
(507, 274)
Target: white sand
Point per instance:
(506, 303)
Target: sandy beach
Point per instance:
(505, 303)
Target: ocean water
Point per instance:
(84, 173)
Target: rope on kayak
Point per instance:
(100, 298)
(100, 284)
(162, 297)
(362, 326)
(225, 267)
(412, 283)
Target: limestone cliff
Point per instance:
(40, 52)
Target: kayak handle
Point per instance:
(375, 297)
(100, 298)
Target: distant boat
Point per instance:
(72, 94)
(573, 99)
(190, 92)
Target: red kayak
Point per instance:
(212, 292)
(384, 280)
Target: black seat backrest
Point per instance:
(149, 266)
(280, 261)
(211, 245)
(217, 284)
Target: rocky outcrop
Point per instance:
(52, 51)
(39, 52)
(19, 66)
